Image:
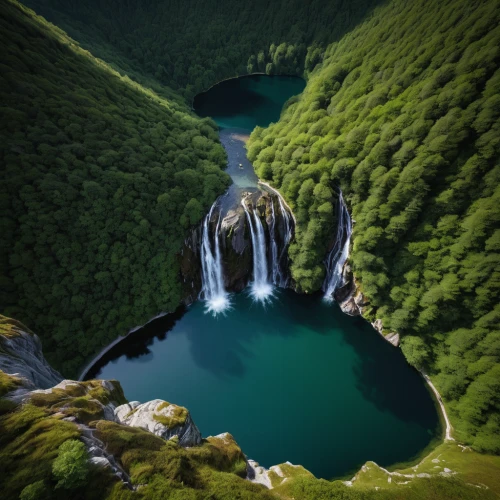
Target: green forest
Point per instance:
(403, 115)
(105, 169)
(190, 48)
(101, 178)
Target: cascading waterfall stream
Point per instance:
(279, 275)
(213, 291)
(261, 288)
(276, 271)
(339, 253)
(288, 237)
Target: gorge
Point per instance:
(298, 201)
(243, 352)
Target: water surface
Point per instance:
(297, 381)
(238, 106)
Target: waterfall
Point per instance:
(261, 289)
(213, 291)
(278, 259)
(339, 253)
(275, 263)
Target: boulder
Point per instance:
(163, 419)
(236, 250)
(393, 338)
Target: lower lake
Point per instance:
(295, 381)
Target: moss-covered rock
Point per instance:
(21, 354)
(162, 419)
(84, 401)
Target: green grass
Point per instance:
(466, 466)
(29, 440)
(7, 383)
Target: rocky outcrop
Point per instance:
(391, 337)
(236, 245)
(236, 250)
(95, 399)
(189, 261)
(348, 296)
(163, 419)
(21, 355)
(275, 475)
(353, 303)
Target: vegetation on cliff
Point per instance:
(63, 442)
(100, 180)
(403, 115)
(43, 456)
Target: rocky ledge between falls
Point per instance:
(234, 237)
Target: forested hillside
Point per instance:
(192, 45)
(403, 115)
(101, 178)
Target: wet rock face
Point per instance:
(21, 354)
(348, 296)
(190, 265)
(163, 419)
(236, 245)
(236, 251)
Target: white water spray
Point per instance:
(261, 289)
(339, 253)
(216, 297)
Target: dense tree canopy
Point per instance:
(100, 180)
(403, 115)
(192, 45)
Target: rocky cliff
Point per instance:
(352, 302)
(236, 244)
(163, 419)
(21, 355)
(39, 411)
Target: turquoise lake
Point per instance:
(296, 380)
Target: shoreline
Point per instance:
(448, 427)
(106, 349)
(440, 408)
(257, 73)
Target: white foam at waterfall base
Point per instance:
(218, 304)
(261, 292)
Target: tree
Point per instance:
(71, 466)
(415, 350)
(35, 491)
